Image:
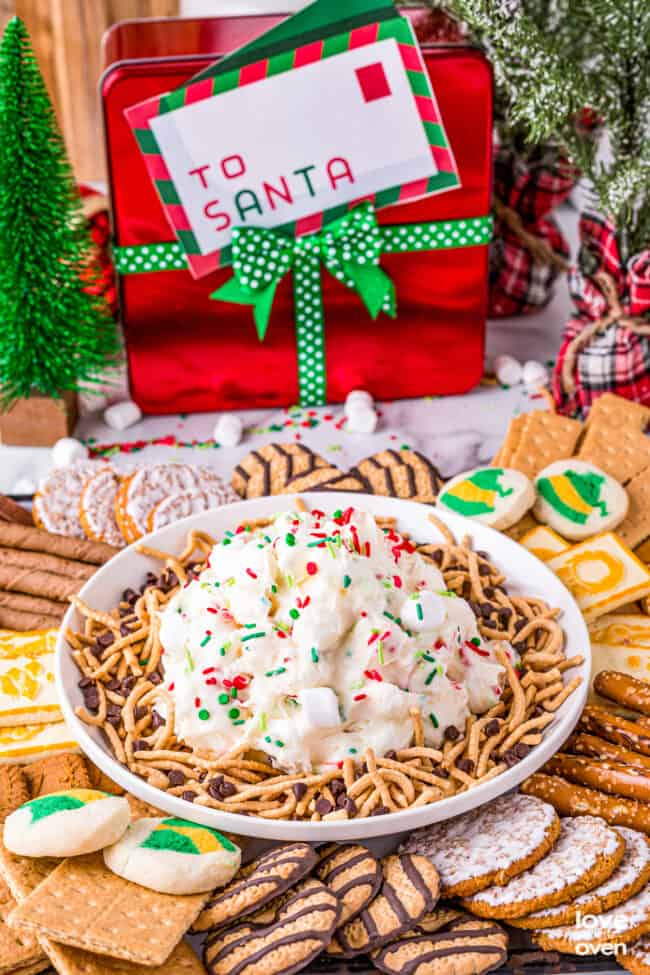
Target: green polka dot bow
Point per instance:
(349, 248)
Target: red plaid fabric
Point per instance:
(102, 273)
(533, 187)
(616, 360)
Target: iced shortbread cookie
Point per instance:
(489, 845)
(97, 508)
(56, 503)
(178, 506)
(624, 924)
(637, 957)
(173, 856)
(578, 500)
(467, 946)
(67, 824)
(586, 853)
(631, 875)
(495, 496)
(258, 883)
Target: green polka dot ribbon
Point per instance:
(350, 249)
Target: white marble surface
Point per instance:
(456, 432)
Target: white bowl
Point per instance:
(524, 573)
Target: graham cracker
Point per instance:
(24, 875)
(57, 773)
(635, 528)
(18, 951)
(83, 905)
(512, 440)
(616, 413)
(545, 438)
(14, 789)
(642, 551)
(622, 452)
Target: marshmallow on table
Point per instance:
(122, 415)
(67, 451)
(424, 611)
(320, 707)
(358, 397)
(508, 371)
(361, 419)
(535, 374)
(228, 430)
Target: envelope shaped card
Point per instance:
(295, 140)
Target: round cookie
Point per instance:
(467, 946)
(173, 856)
(624, 924)
(177, 506)
(353, 874)
(66, 824)
(409, 891)
(489, 845)
(256, 884)
(56, 503)
(630, 876)
(496, 496)
(637, 957)
(578, 500)
(303, 928)
(586, 853)
(97, 508)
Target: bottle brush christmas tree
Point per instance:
(55, 337)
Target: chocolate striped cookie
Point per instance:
(269, 469)
(353, 874)
(346, 482)
(468, 946)
(304, 926)
(409, 890)
(256, 884)
(401, 474)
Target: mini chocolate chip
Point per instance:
(114, 719)
(520, 624)
(97, 651)
(392, 755)
(125, 629)
(465, 765)
(323, 806)
(130, 596)
(488, 592)
(337, 786)
(341, 800)
(442, 773)
(487, 609)
(214, 788)
(484, 570)
(189, 796)
(114, 685)
(106, 639)
(85, 682)
(299, 789)
(155, 678)
(113, 709)
(156, 720)
(203, 775)
(379, 811)
(510, 758)
(521, 750)
(437, 556)
(228, 789)
(141, 745)
(519, 646)
(139, 713)
(492, 727)
(451, 733)
(350, 807)
(364, 768)
(127, 685)
(171, 579)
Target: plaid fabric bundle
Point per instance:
(102, 273)
(606, 345)
(528, 250)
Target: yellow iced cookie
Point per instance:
(27, 691)
(29, 742)
(543, 542)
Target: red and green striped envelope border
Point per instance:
(399, 29)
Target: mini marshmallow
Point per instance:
(228, 430)
(122, 415)
(361, 419)
(358, 397)
(424, 611)
(67, 451)
(320, 707)
(535, 374)
(508, 371)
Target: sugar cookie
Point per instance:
(495, 496)
(141, 491)
(66, 824)
(586, 853)
(578, 500)
(173, 856)
(489, 845)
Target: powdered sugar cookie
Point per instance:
(622, 925)
(144, 489)
(578, 500)
(488, 845)
(637, 957)
(56, 503)
(630, 876)
(97, 508)
(495, 496)
(467, 946)
(178, 506)
(587, 852)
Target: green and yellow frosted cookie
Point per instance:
(174, 856)
(496, 496)
(66, 824)
(578, 500)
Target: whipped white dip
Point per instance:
(330, 603)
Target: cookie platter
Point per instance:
(525, 575)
